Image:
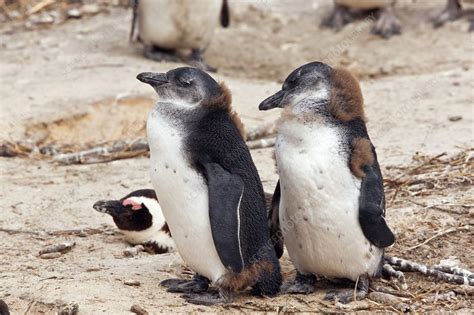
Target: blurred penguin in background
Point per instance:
(166, 26)
(452, 12)
(346, 11)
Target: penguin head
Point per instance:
(134, 212)
(186, 85)
(319, 89)
(308, 84)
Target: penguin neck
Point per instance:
(308, 110)
(179, 113)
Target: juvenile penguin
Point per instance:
(345, 11)
(330, 196)
(165, 26)
(209, 188)
(138, 216)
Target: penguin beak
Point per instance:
(108, 206)
(154, 79)
(273, 101)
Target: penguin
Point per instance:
(451, 12)
(345, 11)
(4, 308)
(138, 216)
(209, 188)
(165, 26)
(329, 199)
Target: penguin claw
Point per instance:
(303, 284)
(338, 18)
(452, 12)
(197, 61)
(197, 285)
(158, 54)
(387, 24)
(345, 296)
(208, 298)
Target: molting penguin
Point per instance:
(330, 198)
(138, 216)
(165, 26)
(345, 11)
(451, 12)
(209, 188)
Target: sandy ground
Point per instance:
(75, 84)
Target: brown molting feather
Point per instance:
(224, 102)
(165, 228)
(346, 101)
(361, 155)
(240, 281)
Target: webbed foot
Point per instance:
(196, 285)
(345, 296)
(303, 284)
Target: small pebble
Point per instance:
(455, 118)
(50, 255)
(132, 283)
(90, 9)
(74, 13)
(60, 248)
(137, 309)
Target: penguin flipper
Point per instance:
(225, 14)
(371, 209)
(134, 18)
(274, 222)
(225, 194)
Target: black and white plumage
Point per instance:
(139, 217)
(209, 188)
(332, 205)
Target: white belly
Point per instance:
(176, 24)
(320, 204)
(183, 198)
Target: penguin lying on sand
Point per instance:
(140, 225)
(451, 12)
(165, 26)
(345, 11)
(330, 198)
(138, 216)
(209, 188)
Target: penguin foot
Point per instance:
(387, 24)
(339, 17)
(345, 296)
(196, 60)
(209, 298)
(160, 54)
(197, 285)
(303, 284)
(451, 12)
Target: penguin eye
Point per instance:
(185, 81)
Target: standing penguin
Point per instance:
(165, 26)
(345, 11)
(210, 191)
(139, 217)
(332, 203)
